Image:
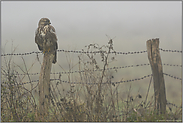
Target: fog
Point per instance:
(83, 22)
(78, 23)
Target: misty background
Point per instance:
(78, 23)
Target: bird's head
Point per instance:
(44, 22)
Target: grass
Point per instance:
(84, 102)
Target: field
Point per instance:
(91, 89)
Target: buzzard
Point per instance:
(46, 38)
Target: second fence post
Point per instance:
(158, 78)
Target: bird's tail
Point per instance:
(55, 57)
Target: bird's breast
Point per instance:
(42, 33)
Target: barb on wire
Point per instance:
(130, 80)
(172, 65)
(172, 76)
(173, 51)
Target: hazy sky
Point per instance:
(79, 23)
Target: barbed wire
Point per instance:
(172, 76)
(115, 68)
(93, 52)
(172, 65)
(76, 51)
(168, 103)
(20, 54)
(130, 80)
(60, 81)
(112, 68)
(173, 51)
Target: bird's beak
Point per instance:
(49, 23)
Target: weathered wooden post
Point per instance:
(44, 85)
(157, 71)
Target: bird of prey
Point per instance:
(46, 39)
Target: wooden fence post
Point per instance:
(157, 71)
(44, 85)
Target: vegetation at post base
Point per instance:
(96, 98)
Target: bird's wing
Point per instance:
(51, 35)
(52, 38)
